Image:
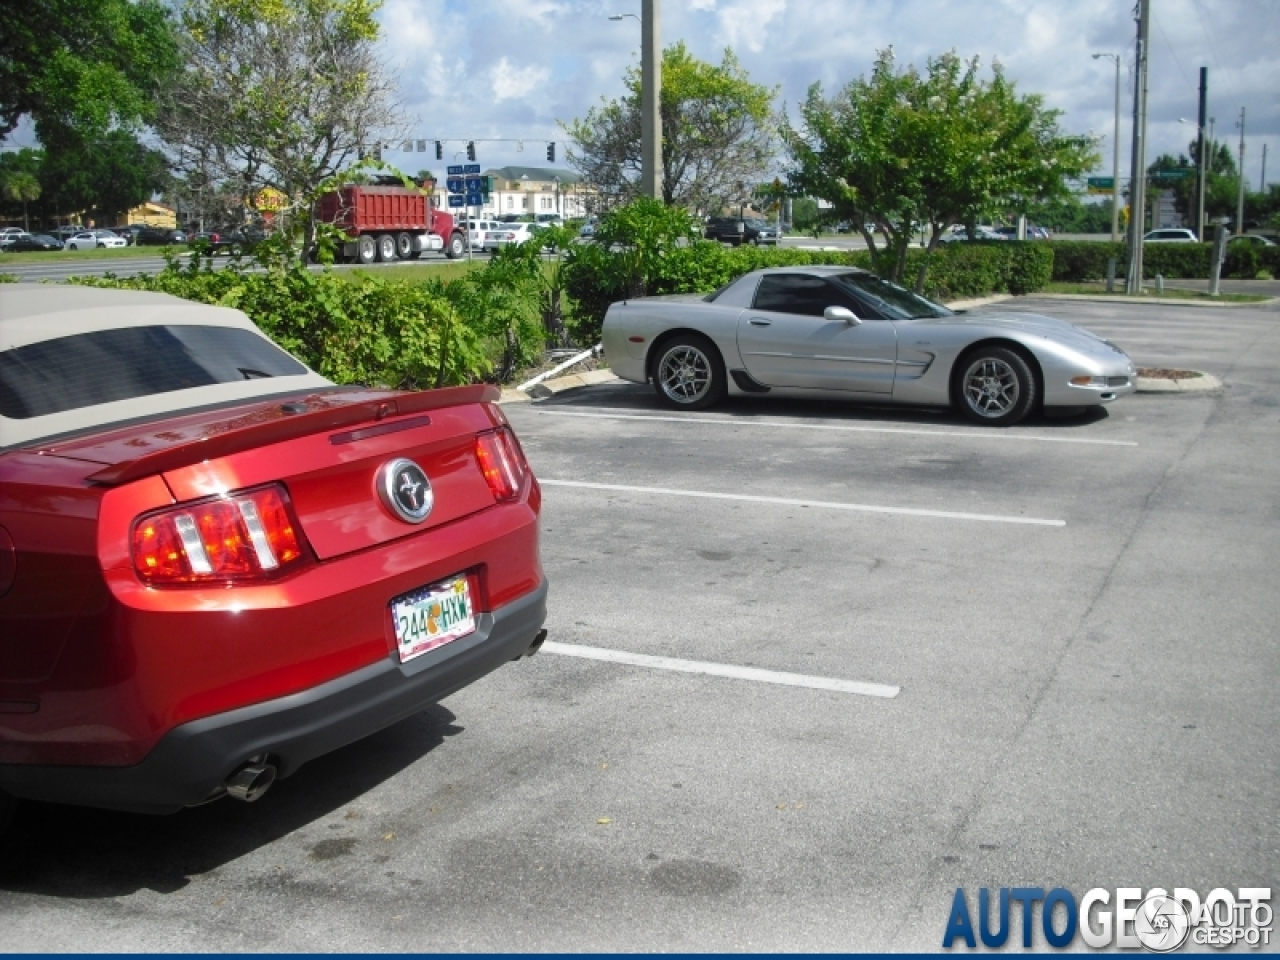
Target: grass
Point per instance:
(1098, 287)
(61, 256)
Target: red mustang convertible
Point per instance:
(216, 565)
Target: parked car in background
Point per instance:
(95, 240)
(9, 234)
(34, 242)
(159, 236)
(476, 229)
(824, 332)
(508, 233)
(587, 230)
(1251, 240)
(738, 230)
(1170, 235)
(245, 566)
(549, 219)
(959, 234)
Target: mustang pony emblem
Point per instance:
(405, 490)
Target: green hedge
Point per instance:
(1080, 260)
(368, 331)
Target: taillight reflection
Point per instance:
(243, 536)
(502, 463)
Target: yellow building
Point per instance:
(153, 215)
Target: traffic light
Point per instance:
(471, 151)
(551, 152)
(439, 150)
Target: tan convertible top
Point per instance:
(34, 313)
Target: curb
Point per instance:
(549, 388)
(1205, 383)
(1150, 301)
(978, 301)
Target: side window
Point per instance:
(797, 293)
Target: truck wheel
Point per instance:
(366, 250)
(404, 246)
(386, 248)
(456, 247)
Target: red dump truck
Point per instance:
(389, 223)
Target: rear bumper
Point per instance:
(189, 764)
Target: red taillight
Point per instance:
(502, 463)
(242, 536)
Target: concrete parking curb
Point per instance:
(1203, 383)
(1150, 301)
(549, 388)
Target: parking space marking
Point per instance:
(790, 502)
(722, 670)
(967, 434)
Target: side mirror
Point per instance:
(841, 315)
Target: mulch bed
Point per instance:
(1160, 373)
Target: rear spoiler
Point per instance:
(288, 420)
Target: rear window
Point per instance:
(105, 366)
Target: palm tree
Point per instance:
(22, 187)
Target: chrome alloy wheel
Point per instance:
(685, 374)
(991, 387)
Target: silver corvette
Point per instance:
(836, 331)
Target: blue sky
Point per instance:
(513, 68)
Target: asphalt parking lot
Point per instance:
(811, 668)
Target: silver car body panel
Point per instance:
(904, 361)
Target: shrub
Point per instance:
(370, 331)
(1075, 261)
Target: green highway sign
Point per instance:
(1102, 183)
(1171, 175)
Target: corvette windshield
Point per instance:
(896, 302)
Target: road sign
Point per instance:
(470, 168)
(456, 200)
(458, 171)
(475, 200)
(455, 185)
(476, 184)
(1171, 175)
(1101, 183)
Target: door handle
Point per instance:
(760, 322)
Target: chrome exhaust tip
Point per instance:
(251, 781)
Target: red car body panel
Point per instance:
(97, 667)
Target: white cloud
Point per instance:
(512, 83)
(745, 23)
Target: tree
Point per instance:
(80, 68)
(717, 142)
(280, 94)
(1221, 181)
(904, 150)
(23, 188)
(120, 172)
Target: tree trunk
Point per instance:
(936, 231)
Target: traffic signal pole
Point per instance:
(1138, 168)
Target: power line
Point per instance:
(1195, 5)
(1173, 53)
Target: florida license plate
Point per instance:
(432, 616)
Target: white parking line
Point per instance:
(977, 434)
(722, 670)
(789, 502)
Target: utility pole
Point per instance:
(1115, 153)
(650, 99)
(1138, 168)
(1262, 180)
(1204, 110)
(1240, 198)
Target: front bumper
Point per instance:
(189, 764)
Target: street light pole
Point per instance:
(1138, 167)
(1115, 154)
(650, 99)
(1240, 199)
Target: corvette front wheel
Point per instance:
(995, 386)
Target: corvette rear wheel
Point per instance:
(689, 374)
(995, 386)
